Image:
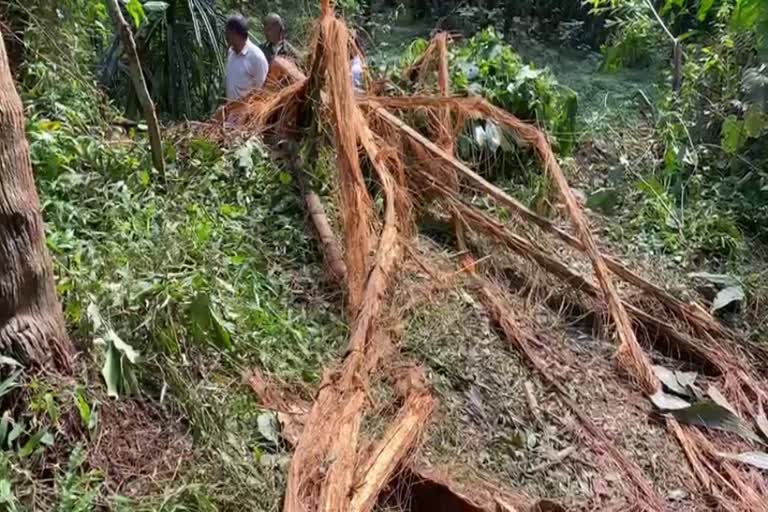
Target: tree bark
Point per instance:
(31, 321)
(140, 85)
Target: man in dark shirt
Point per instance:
(275, 44)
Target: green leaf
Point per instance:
(5, 422)
(732, 135)
(32, 444)
(111, 371)
(652, 188)
(221, 329)
(124, 348)
(754, 122)
(6, 496)
(144, 177)
(747, 14)
(233, 211)
(704, 7)
(47, 439)
(603, 200)
(10, 383)
(285, 178)
(727, 297)
(136, 10)
(204, 230)
(16, 432)
(207, 324)
(83, 408)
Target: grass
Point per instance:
(205, 275)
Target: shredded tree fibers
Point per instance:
(336, 467)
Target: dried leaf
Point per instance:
(667, 402)
(727, 297)
(669, 379)
(719, 279)
(677, 495)
(686, 379)
(756, 459)
(269, 427)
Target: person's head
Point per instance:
(236, 31)
(274, 28)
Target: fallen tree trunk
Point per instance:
(392, 449)
(313, 205)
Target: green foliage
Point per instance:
(181, 44)
(204, 274)
(136, 10)
(487, 66)
(714, 128)
(634, 46)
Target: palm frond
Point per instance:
(182, 49)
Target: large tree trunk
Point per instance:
(31, 321)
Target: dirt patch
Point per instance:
(138, 448)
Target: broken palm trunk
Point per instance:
(313, 205)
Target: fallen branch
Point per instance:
(139, 86)
(480, 221)
(313, 205)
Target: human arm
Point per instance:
(258, 68)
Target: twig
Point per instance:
(557, 459)
(533, 404)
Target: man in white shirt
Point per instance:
(247, 66)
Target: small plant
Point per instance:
(487, 66)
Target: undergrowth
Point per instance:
(171, 289)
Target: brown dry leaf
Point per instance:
(669, 379)
(666, 402)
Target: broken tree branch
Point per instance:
(140, 86)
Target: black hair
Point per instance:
(237, 24)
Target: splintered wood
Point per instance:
(335, 466)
